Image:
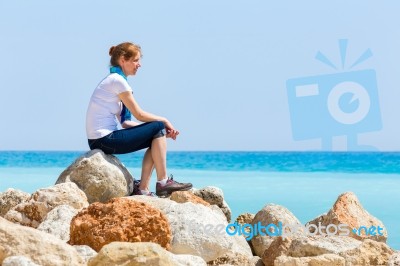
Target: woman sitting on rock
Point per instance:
(112, 102)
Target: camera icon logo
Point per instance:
(339, 104)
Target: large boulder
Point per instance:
(198, 230)
(101, 176)
(348, 210)
(122, 253)
(10, 198)
(58, 220)
(121, 220)
(40, 247)
(34, 211)
(273, 214)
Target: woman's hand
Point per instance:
(171, 131)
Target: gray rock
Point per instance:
(85, 252)
(394, 260)
(99, 175)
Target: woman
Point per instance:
(112, 102)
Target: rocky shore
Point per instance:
(88, 218)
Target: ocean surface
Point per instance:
(307, 183)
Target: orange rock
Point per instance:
(122, 220)
(186, 196)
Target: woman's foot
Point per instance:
(170, 186)
(137, 191)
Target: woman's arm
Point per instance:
(143, 116)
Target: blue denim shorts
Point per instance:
(129, 139)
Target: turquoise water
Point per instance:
(307, 183)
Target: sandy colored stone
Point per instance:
(100, 176)
(245, 218)
(187, 196)
(232, 259)
(348, 210)
(273, 214)
(370, 252)
(121, 220)
(131, 254)
(11, 198)
(33, 212)
(278, 247)
(41, 248)
(321, 260)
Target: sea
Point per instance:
(306, 183)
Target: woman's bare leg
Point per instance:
(159, 156)
(147, 170)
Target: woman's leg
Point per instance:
(159, 156)
(147, 170)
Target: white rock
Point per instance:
(198, 230)
(99, 175)
(58, 220)
(18, 261)
(85, 252)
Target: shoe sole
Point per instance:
(167, 192)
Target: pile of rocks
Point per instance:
(88, 218)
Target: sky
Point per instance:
(229, 75)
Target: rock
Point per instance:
(278, 247)
(187, 260)
(273, 214)
(85, 252)
(245, 218)
(214, 196)
(197, 229)
(370, 252)
(58, 220)
(123, 253)
(10, 198)
(319, 245)
(233, 259)
(121, 220)
(348, 210)
(18, 261)
(42, 248)
(187, 196)
(33, 212)
(101, 176)
(394, 260)
(321, 260)
(354, 252)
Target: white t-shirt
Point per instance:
(105, 106)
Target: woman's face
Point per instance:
(130, 66)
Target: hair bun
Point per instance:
(110, 52)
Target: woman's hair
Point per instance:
(125, 49)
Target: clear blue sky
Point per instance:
(216, 69)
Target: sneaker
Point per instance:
(171, 186)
